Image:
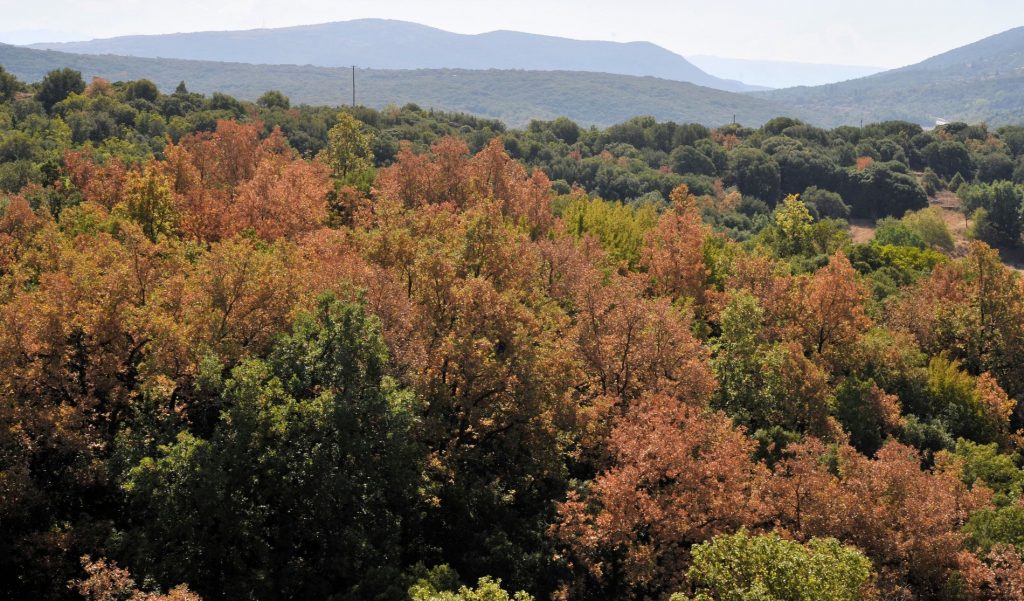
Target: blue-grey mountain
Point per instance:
(387, 44)
(514, 96)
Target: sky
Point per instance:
(882, 33)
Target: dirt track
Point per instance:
(863, 230)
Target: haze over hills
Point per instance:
(982, 81)
(780, 74)
(976, 83)
(389, 44)
(514, 96)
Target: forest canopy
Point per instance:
(267, 351)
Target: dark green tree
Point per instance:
(303, 489)
(881, 190)
(142, 89)
(995, 166)
(756, 174)
(9, 84)
(800, 169)
(825, 204)
(58, 85)
(274, 99)
(947, 158)
(687, 159)
(999, 221)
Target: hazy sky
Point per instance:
(885, 33)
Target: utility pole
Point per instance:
(353, 86)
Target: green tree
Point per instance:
(149, 201)
(958, 400)
(949, 158)
(881, 189)
(58, 85)
(825, 204)
(1002, 524)
(931, 227)
(998, 471)
(995, 166)
(9, 84)
(442, 584)
(895, 232)
(687, 159)
(620, 228)
(743, 567)
(755, 173)
(274, 99)
(764, 385)
(866, 413)
(348, 147)
(800, 169)
(991, 527)
(302, 488)
(793, 221)
(142, 89)
(1000, 222)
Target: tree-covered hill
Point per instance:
(390, 44)
(978, 82)
(513, 96)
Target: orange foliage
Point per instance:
(973, 309)
(680, 476)
(630, 345)
(107, 582)
(284, 198)
(101, 184)
(864, 162)
(232, 303)
(999, 578)
(832, 312)
(776, 292)
(906, 520)
(18, 223)
(524, 349)
(449, 175)
(99, 87)
(231, 180)
(673, 251)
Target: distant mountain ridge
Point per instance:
(513, 96)
(389, 44)
(982, 81)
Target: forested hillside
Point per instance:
(260, 351)
(387, 44)
(514, 97)
(978, 82)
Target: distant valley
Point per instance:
(780, 74)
